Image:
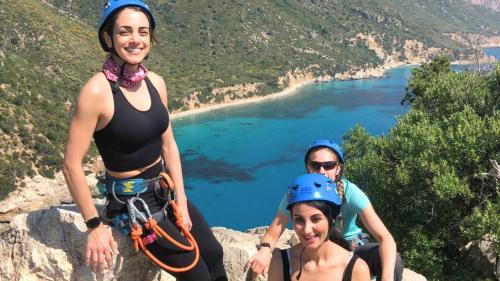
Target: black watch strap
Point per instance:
(261, 245)
(93, 222)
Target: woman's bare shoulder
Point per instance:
(96, 86)
(154, 76)
(95, 93)
(360, 271)
(157, 80)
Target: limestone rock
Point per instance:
(409, 275)
(49, 245)
(484, 258)
(37, 193)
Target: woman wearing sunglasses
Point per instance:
(325, 157)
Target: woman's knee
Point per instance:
(212, 250)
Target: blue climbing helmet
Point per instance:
(324, 143)
(112, 6)
(314, 187)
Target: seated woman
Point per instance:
(325, 157)
(321, 254)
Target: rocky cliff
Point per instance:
(48, 245)
(492, 4)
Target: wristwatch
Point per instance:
(261, 245)
(93, 222)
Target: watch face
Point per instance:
(93, 222)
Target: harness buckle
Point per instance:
(360, 240)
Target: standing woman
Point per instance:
(124, 108)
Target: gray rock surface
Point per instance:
(49, 245)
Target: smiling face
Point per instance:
(310, 225)
(324, 161)
(131, 36)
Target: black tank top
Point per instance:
(287, 274)
(132, 138)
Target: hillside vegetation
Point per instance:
(48, 49)
(427, 176)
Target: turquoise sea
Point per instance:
(493, 52)
(238, 161)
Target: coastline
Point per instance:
(285, 92)
(376, 72)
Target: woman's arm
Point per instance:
(100, 244)
(360, 271)
(387, 245)
(170, 154)
(276, 267)
(259, 262)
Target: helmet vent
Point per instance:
(317, 184)
(295, 187)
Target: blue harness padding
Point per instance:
(108, 185)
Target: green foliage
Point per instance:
(424, 177)
(50, 48)
(423, 76)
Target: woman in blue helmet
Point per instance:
(124, 109)
(322, 254)
(325, 157)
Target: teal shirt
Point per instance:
(355, 202)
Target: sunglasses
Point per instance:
(316, 166)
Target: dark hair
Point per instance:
(110, 23)
(329, 211)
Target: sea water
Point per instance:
(238, 161)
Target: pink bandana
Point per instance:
(130, 79)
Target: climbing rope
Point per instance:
(152, 225)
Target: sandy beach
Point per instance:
(293, 88)
(288, 91)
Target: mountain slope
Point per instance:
(49, 49)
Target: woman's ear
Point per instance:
(107, 39)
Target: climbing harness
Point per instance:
(142, 225)
(360, 240)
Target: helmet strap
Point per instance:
(116, 85)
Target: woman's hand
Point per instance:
(100, 248)
(259, 262)
(186, 220)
